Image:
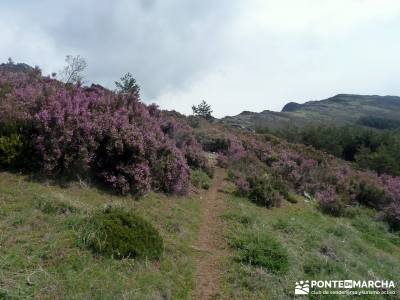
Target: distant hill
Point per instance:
(342, 109)
(16, 67)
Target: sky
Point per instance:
(237, 55)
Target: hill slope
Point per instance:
(43, 258)
(342, 109)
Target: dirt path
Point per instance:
(210, 244)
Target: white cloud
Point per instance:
(326, 16)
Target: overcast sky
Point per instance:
(237, 55)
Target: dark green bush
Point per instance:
(260, 249)
(11, 150)
(213, 142)
(264, 191)
(120, 234)
(371, 195)
(333, 206)
(200, 179)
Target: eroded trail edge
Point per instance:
(210, 244)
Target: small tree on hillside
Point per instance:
(203, 110)
(72, 72)
(128, 85)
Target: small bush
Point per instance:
(242, 187)
(371, 195)
(292, 198)
(260, 249)
(222, 161)
(53, 206)
(263, 191)
(334, 208)
(200, 179)
(11, 150)
(213, 142)
(330, 203)
(392, 215)
(120, 234)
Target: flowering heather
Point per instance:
(328, 201)
(391, 186)
(175, 127)
(242, 186)
(131, 147)
(222, 161)
(334, 183)
(81, 130)
(236, 149)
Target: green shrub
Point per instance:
(292, 198)
(335, 207)
(371, 195)
(200, 179)
(213, 142)
(257, 247)
(120, 234)
(53, 206)
(264, 191)
(11, 150)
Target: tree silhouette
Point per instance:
(203, 110)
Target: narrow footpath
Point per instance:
(210, 244)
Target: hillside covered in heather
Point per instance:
(113, 149)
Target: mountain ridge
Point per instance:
(341, 109)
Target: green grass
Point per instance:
(319, 247)
(257, 247)
(41, 255)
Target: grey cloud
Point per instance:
(165, 44)
(237, 55)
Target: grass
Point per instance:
(319, 247)
(257, 247)
(41, 255)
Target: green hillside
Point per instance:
(339, 110)
(42, 255)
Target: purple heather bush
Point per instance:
(329, 202)
(93, 131)
(242, 186)
(177, 128)
(222, 161)
(331, 181)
